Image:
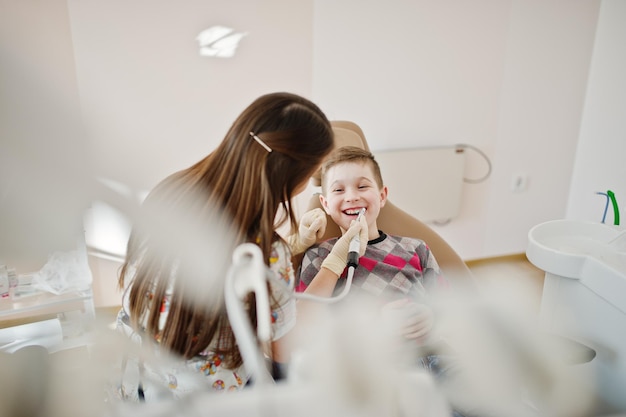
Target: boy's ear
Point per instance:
(324, 203)
(383, 196)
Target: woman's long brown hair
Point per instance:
(193, 219)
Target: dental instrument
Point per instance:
(355, 245)
(246, 275)
(249, 274)
(610, 198)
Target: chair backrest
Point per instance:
(393, 220)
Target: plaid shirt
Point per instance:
(392, 267)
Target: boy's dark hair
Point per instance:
(352, 154)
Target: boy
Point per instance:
(399, 271)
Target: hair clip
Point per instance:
(260, 142)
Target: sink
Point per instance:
(584, 294)
(569, 248)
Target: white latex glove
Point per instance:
(414, 321)
(337, 259)
(312, 227)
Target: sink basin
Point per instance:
(570, 248)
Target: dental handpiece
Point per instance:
(355, 245)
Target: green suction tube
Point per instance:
(611, 196)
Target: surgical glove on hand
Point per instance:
(337, 259)
(312, 227)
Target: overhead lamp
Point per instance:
(219, 41)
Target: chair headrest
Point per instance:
(345, 134)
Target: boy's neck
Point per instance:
(373, 232)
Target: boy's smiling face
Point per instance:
(348, 187)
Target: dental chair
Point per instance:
(393, 220)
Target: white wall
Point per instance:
(44, 164)
(599, 160)
(507, 76)
(152, 103)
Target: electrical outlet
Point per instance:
(519, 182)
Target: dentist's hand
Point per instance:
(337, 259)
(312, 227)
